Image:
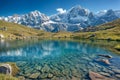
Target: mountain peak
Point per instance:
(78, 10)
(77, 6)
(74, 19)
(35, 13)
(110, 12)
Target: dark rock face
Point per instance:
(6, 69)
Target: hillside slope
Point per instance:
(16, 31)
(109, 31)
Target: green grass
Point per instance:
(7, 77)
(117, 47)
(108, 31)
(16, 31)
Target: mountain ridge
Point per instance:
(74, 19)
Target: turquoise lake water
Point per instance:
(58, 60)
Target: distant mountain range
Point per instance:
(72, 20)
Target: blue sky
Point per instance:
(10, 7)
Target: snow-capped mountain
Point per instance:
(72, 20)
(32, 19)
(107, 17)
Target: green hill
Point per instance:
(16, 31)
(108, 31)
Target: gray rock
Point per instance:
(34, 75)
(105, 74)
(46, 68)
(6, 69)
(118, 76)
(116, 70)
(50, 75)
(38, 68)
(96, 76)
(43, 75)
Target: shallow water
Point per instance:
(58, 60)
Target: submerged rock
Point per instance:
(96, 76)
(116, 71)
(118, 76)
(105, 74)
(34, 75)
(50, 75)
(106, 61)
(105, 55)
(46, 68)
(6, 69)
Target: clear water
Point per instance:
(63, 60)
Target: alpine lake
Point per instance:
(60, 59)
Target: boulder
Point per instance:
(6, 69)
(96, 76)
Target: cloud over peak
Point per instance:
(61, 10)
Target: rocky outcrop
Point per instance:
(6, 69)
(96, 76)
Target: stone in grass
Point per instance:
(96, 76)
(34, 75)
(6, 69)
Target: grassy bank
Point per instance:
(15, 70)
(7, 77)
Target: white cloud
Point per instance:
(61, 10)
